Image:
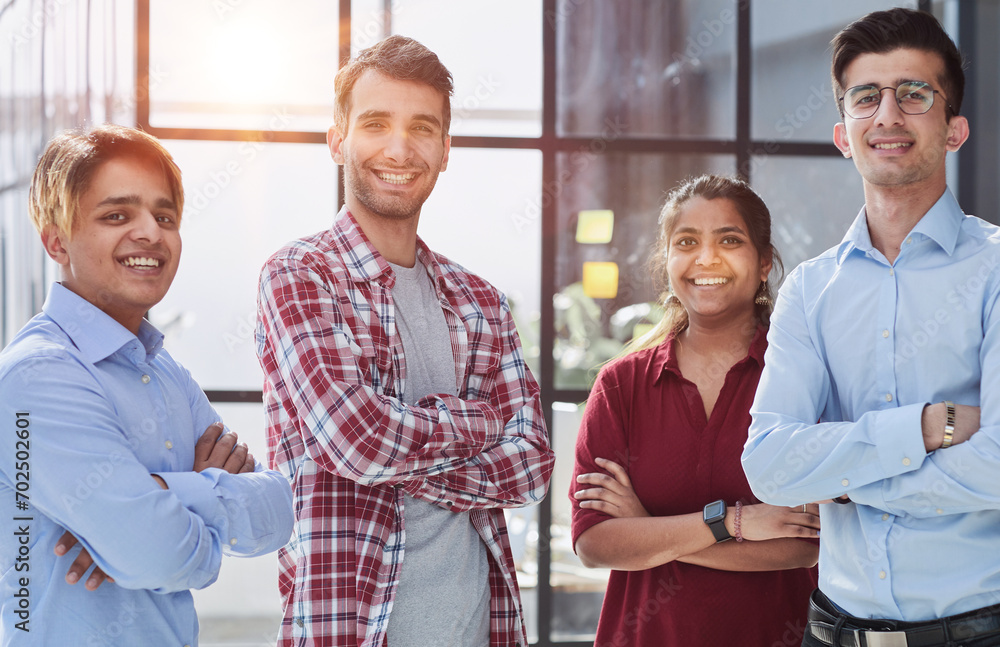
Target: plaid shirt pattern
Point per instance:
(334, 366)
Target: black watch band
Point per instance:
(714, 515)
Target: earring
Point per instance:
(762, 298)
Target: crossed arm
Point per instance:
(213, 449)
(631, 539)
(487, 451)
(889, 458)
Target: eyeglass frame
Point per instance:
(843, 105)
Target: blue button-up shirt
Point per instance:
(88, 411)
(857, 347)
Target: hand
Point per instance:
(80, 565)
(613, 494)
(215, 449)
(762, 521)
(933, 419)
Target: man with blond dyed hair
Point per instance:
(108, 469)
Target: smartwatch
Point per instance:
(714, 515)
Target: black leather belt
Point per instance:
(853, 632)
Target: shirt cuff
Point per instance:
(899, 439)
(196, 490)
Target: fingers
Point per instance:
(79, 566)
(203, 448)
(616, 470)
(603, 481)
(65, 542)
(250, 464)
(237, 458)
(96, 579)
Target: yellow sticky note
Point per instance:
(595, 226)
(600, 280)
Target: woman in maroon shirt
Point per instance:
(660, 447)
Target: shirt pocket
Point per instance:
(482, 366)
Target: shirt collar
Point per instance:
(942, 224)
(366, 264)
(666, 353)
(94, 333)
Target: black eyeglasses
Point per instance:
(913, 98)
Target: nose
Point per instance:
(888, 112)
(398, 146)
(146, 228)
(707, 256)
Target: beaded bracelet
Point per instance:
(736, 521)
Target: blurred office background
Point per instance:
(572, 118)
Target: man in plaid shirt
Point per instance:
(398, 400)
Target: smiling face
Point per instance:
(892, 148)
(125, 245)
(713, 266)
(394, 147)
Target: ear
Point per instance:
(52, 240)
(335, 141)
(958, 132)
(447, 150)
(840, 139)
(766, 262)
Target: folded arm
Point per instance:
(319, 357)
(88, 480)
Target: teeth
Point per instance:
(140, 261)
(889, 147)
(394, 178)
(718, 280)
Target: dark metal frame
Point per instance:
(550, 144)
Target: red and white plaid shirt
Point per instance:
(334, 366)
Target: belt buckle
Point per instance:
(882, 638)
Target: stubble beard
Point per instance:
(380, 203)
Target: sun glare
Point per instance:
(249, 59)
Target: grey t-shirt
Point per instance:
(443, 597)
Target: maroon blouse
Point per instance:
(644, 415)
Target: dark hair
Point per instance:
(400, 58)
(757, 219)
(881, 32)
(68, 164)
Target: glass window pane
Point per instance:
(792, 96)
(577, 591)
(812, 200)
(589, 331)
(243, 606)
(497, 64)
(244, 65)
(660, 68)
(481, 223)
(243, 200)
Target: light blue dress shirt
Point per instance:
(98, 411)
(861, 345)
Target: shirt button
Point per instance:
(892, 272)
(845, 482)
(299, 622)
(145, 379)
(232, 542)
(906, 461)
(881, 575)
(885, 333)
(888, 397)
(939, 511)
(168, 445)
(909, 240)
(885, 517)
(449, 503)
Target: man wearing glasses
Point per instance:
(871, 392)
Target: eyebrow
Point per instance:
(384, 114)
(133, 200)
(720, 230)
